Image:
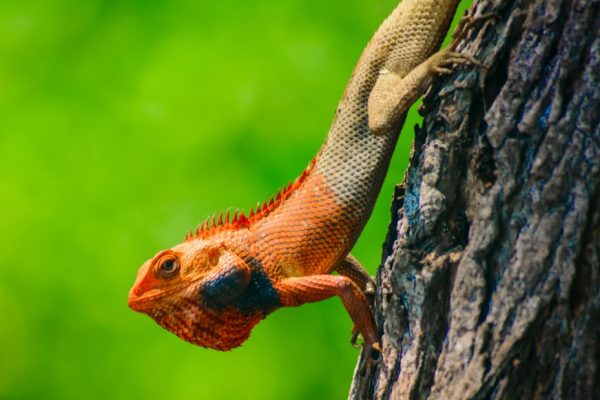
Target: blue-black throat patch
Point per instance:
(230, 289)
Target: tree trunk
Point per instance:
(490, 283)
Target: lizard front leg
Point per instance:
(394, 93)
(351, 268)
(300, 290)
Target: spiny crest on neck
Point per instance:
(238, 220)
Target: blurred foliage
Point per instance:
(122, 125)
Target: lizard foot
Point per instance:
(373, 353)
(370, 291)
(373, 350)
(443, 64)
(467, 23)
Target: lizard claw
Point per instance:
(372, 349)
(446, 59)
(467, 22)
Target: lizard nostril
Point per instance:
(132, 300)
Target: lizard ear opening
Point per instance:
(214, 256)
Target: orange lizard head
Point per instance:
(194, 290)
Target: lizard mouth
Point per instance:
(139, 304)
(144, 302)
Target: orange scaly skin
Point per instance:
(234, 270)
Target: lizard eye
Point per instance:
(167, 268)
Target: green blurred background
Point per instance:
(122, 125)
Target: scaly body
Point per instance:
(224, 278)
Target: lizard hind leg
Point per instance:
(351, 268)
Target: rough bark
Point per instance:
(490, 281)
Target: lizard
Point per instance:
(235, 269)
